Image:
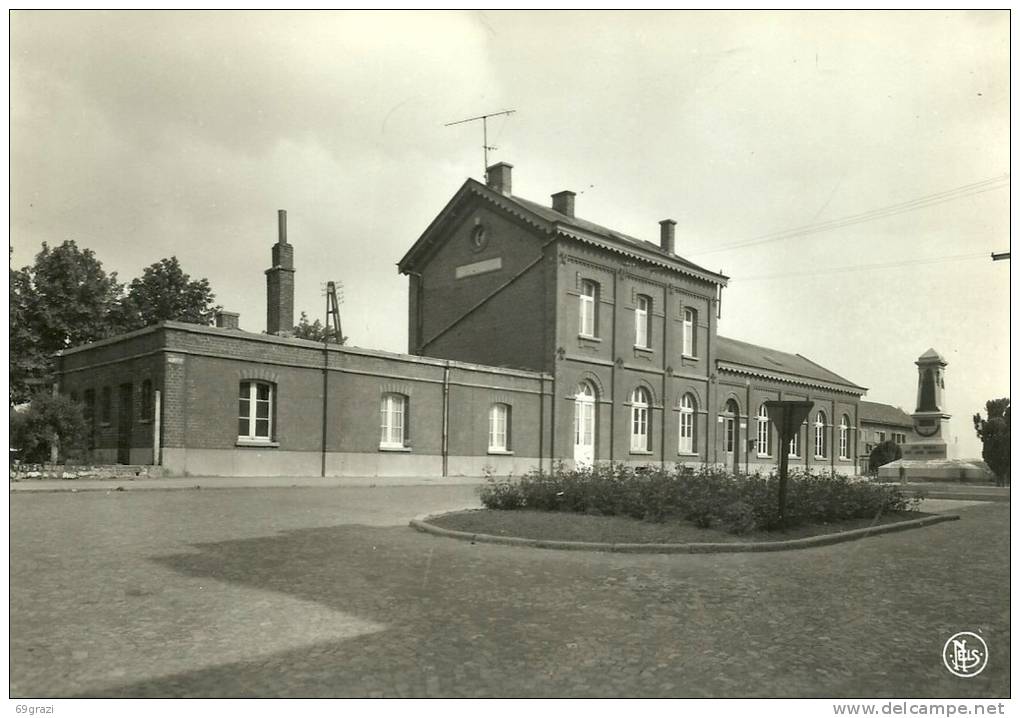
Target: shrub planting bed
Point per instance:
(549, 526)
(705, 498)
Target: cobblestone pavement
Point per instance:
(327, 592)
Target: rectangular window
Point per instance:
(589, 314)
(642, 322)
(255, 415)
(881, 437)
(105, 405)
(731, 430)
(499, 423)
(394, 421)
(795, 446)
(764, 437)
(690, 320)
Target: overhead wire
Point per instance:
(930, 200)
(861, 267)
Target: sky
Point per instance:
(143, 135)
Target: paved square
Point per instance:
(326, 592)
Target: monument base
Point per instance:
(934, 470)
(924, 450)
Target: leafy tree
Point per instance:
(994, 435)
(53, 427)
(316, 331)
(883, 454)
(165, 292)
(64, 299)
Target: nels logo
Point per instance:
(965, 654)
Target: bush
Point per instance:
(48, 420)
(707, 497)
(883, 454)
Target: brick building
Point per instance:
(882, 422)
(534, 336)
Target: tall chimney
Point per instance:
(497, 177)
(667, 236)
(280, 284)
(563, 202)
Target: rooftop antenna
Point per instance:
(485, 134)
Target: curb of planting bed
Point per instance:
(422, 524)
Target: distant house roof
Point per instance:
(744, 357)
(874, 413)
(553, 222)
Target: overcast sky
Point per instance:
(148, 134)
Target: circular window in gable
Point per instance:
(479, 237)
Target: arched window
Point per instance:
(687, 439)
(794, 448)
(844, 437)
(764, 433)
(820, 435)
(730, 426)
(639, 420)
(393, 424)
(255, 411)
(584, 424)
(499, 427)
(690, 336)
(589, 302)
(643, 322)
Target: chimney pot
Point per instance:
(497, 177)
(563, 202)
(227, 320)
(667, 236)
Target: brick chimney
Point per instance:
(497, 177)
(563, 202)
(227, 320)
(280, 284)
(667, 236)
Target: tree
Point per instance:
(883, 454)
(53, 427)
(994, 435)
(62, 300)
(165, 292)
(316, 332)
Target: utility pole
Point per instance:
(485, 134)
(332, 321)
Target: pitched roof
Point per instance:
(554, 222)
(795, 368)
(875, 413)
(931, 354)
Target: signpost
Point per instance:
(786, 416)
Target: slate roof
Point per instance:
(549, 220)
(619, 238)
(874, 413)
(771, 362)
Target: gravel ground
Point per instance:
(327, 592)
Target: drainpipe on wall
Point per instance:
(446, 419)
(156, 425)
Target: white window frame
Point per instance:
(820, 435)
(794, 450)
(252, 416)
(764, 434)
(499, 428)
(642, 322)
(393, 421)
(844, 437)
(588, 302)
(640, 427)
(688, 407)
(690, 321)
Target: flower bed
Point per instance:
(736, 503)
